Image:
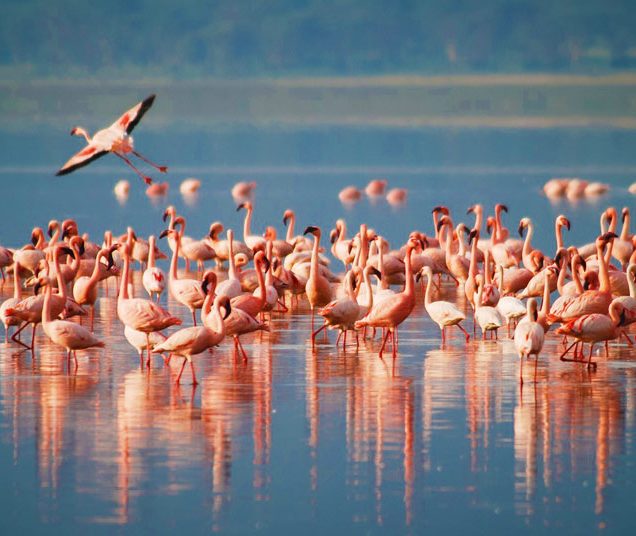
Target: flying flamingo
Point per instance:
(114, 139)
(529, 337)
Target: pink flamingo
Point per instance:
(11, 302)
(529, 337)
(194, 340)
(395, 309)
(153, 278)
(69, 335)
(115, 139)
(137, 313)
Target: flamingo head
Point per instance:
(78, 242)
(523, 223)
(247, 205)
(474, 209)
(311, 229)
(36, 233)
(208, 282)
(562, 221)
(287, 215)
(170, 212)
(333, 236)
(167, 232)
(605, 238)
(224, 303)
(624, 213)
(490, 224)
(444, 220)
(53, 226)
(215, 229)
(499, 207)
(440, 209)
(473, 235)
(591, 281)
(69, 228)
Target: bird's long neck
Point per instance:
(79, 131)
(435, 222)
(527, 243)
(17, 289)
(448, 240)
(92, 282)
(603, 273)
(487, 269)
(558, 233)
(123, 285)
(75, 263)
(472, 268)
(46, 307)
(313, 270)
(498, 225)
(574, 268)
(367, 283)
(480, 291)
(408, 285)
(220, 323)
(613, 220)
(500, 270)
(55, 237)
(428, 295)
(232, 266)
(61, 285)
(342, 234)
(479, 217)
(261, 283)
(462, 244)
(625, 229)
(545, 306)
(247, 222)
(290, 228)
(151, 251)
(175, 256)
(364, 247)
(384, 282)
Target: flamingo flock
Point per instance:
(500, 282)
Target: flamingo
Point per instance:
(197, 251)
(252, 241)
(594, 328)
(11, 303)
(342, 313)
(392, 311)
(590, 301)
(349, 194)
(188, 292)
(509, 307)
(443, 313)
(256, 302)
(69, 335)
(341, 246)
(318, 289)
(529, 337)
(85, 288)
(300, 242)
(115, 139)
(153, 278)
(231, 287)
(628, 303)
(194, 340)
(487, 317)
(139, 341)
(376, 187)
(397, 196)
(137, 313)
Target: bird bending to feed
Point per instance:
(114, 139)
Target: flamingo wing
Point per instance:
(128, 121)
(82, 158)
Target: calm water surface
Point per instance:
(441, 438)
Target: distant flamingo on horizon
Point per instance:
(114, 139)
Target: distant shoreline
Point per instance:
(391, 101)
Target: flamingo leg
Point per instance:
(443, 335)
(590, 363)
(464, 331)
(33, 338)
(314, 333)
(181, 371)
(148, 348)
(194, 317)
(386, 336)
(141, 359)
(521, 370)
(143, 177)
(92, 317)
(338, 339)
(17, 333)
(393, 342)
(162, 169)
(624, 334)
(536, 362)
(240, 345)
(562, 356)
(194, 376)
(344, 340)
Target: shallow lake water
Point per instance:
(325, 440)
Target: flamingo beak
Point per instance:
(471, 236)
(266, 263)
(520, 229)
(111, 261)
(164, 233)
(310, 229)
(68, 251)
(242, 205)
(608, 236)
(34, 239)
(165, 215)
(566, 222)
(204, 286)
(441, 224)
(376, 272)
(418, 276)
(82, 248)
(470, 210)
(503, 207)
(36, 288)
(333, 236)
(49, 231)
(285, 220)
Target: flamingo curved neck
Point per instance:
(472, 268)
(261, 283)
(175, 257)
(17, 289)
(247, 223)
(625, 229)
(290, 228)
(151, 252)
(558, 232)
(232, 266)
(367, 283)
(61, 286)
(313, 270)
(408, 285)
(46, 307)
(94, 279)
(527, 243)
(603, 273)
(123, 286)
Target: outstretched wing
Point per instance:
(83, 158)
(129, 120)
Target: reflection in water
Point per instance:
(390, 441)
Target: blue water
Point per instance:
(325, 441)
